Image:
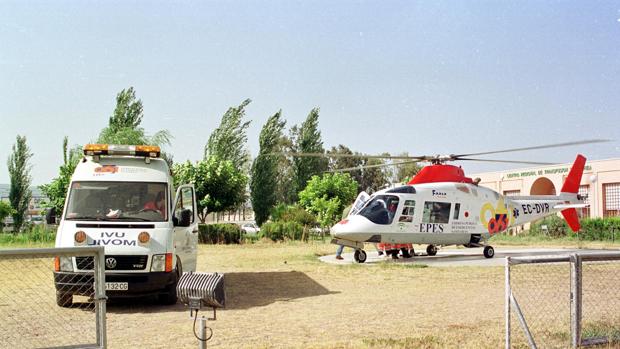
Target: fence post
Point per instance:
(507, 304)
(100, 297)
(576, 278)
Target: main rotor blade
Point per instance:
(566, 144)
(509, 161)
(365, 156)
(373, 166)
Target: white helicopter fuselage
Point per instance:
(442, 214)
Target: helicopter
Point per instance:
(440, 206)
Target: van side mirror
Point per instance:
(50, 216)
(185, 218)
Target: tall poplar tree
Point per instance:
(228, 141)
(19, 174)
(264, 180)
(128, 112)
(124, 125)
(307, 139)
(56, 190)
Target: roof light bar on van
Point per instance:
(116, 149)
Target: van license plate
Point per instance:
(116, 286)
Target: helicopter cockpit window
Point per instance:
(359, 203)
(436, 212)
(381, 209)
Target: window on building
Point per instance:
(611, 199)
(512, 192)
(436, 212)
(408, 209)
(584, 191)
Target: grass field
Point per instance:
(281, 295)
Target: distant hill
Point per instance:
(4, 191)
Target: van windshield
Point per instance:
(122, 201)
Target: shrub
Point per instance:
(292, 213)
(592, 229)
(279, 231)
(39, 233)
(600, 228)
(219, 233)
(556, 227)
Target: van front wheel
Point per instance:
(64, 300)
(169, 296)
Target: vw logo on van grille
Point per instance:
(110, 262)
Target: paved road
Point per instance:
(460, 257)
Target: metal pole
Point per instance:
(575, 306)
(507, 304)
(202, 344)
(526, 329)
(100, 297)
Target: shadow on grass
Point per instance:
(243, 291)
(144, 305)
(248, 290)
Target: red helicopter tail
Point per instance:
(571, 186)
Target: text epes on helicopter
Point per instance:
(440, 206)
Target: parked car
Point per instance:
(250, 228)
(317, 230)
(35, 220)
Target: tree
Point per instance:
(228, 141)
(307, 139)
(374, 178)
(405, 172)
(219, 185)
(369, 179)
(327, 196)
(124, 125)
(263, 183)
(286, 190)
(128, 112)
(19, 173)
(56, 190)
(338, 163)
(5, 211)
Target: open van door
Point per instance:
(186, 227)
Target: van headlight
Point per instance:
(63, 264)
(162, 262)
(158, 263)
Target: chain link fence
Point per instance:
(563, 301)
(45, 304)
(600, 301)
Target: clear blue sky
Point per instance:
(424, 77)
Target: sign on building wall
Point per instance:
(550, 171)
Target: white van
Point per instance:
(121, 197)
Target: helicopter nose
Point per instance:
(354, 228)
(339, 229)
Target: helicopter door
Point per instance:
(359, 203)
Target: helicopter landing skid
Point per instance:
(348, 243)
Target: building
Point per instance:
(600, 184)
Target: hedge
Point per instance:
(592, 229)
(279, 231)
(219, 233)
(600, 228)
